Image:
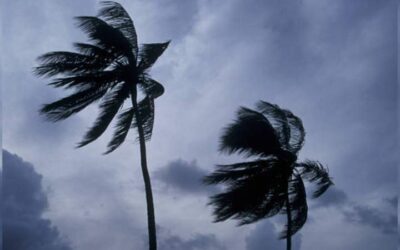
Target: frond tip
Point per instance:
(150, 52)
(121, 130)
(313, 171)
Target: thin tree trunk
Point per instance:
(289, 220)
(151, 222)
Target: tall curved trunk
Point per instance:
(289, 220)
(151, 222)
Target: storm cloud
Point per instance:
(196, 242)
(24, 202)
(382, 216)
(184, 176)
(265, 236)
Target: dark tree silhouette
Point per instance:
(110, 69)
(272, 182)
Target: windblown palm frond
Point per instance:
(69, 63)
(298, 206)
(254, 190)
(314, 172)
(289, 127)
(145, 116)
(272, 183)
(251, 134)
(110, 106)
(105, 36)
(116, 16)
(276, 116)
(151, 87)
(121, 129)
(149, 53)
(67, 106)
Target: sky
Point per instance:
(333, 63)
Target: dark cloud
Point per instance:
(197, 242)
(370, 216)
(184, 176)
(393, 201)
(332, 197)
(24, 202)
(265, 236)
(364, 215)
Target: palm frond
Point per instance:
(145, 115)
(149, 53)
(230, 173)
(97, 52)
(277, 118)
(298, 206)
(101, 79)
(313, 171)
(67, 106)
(70, 63)
(253, 193)
(297, 132)
(251, 134)
(116, 16)
(121, 130)
(105, 36)
(109, 108)
(289, 127)
(151, 87)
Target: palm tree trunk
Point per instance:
(289, 220)
(151, 222)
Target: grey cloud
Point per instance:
(360, 214)
(184, 176)
(197, 242)
(100, 209)
(24, 202)
(393, 201)
(147, 19)
(332, 197)
(265, 236)
(369, 216)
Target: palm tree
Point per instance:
(272, 181)
(109, 69)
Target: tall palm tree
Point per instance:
(272, 181)
(110, 69)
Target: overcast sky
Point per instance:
(333, 63)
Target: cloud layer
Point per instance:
(333, 63)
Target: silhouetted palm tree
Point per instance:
(272, 182)
(110, 69)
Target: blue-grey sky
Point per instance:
(332, 62)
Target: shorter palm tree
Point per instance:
(272, 182)
(111, 69)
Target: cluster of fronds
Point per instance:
(109, 69)
(262, 188)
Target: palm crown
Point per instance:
(107, 70)
(273, 182)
